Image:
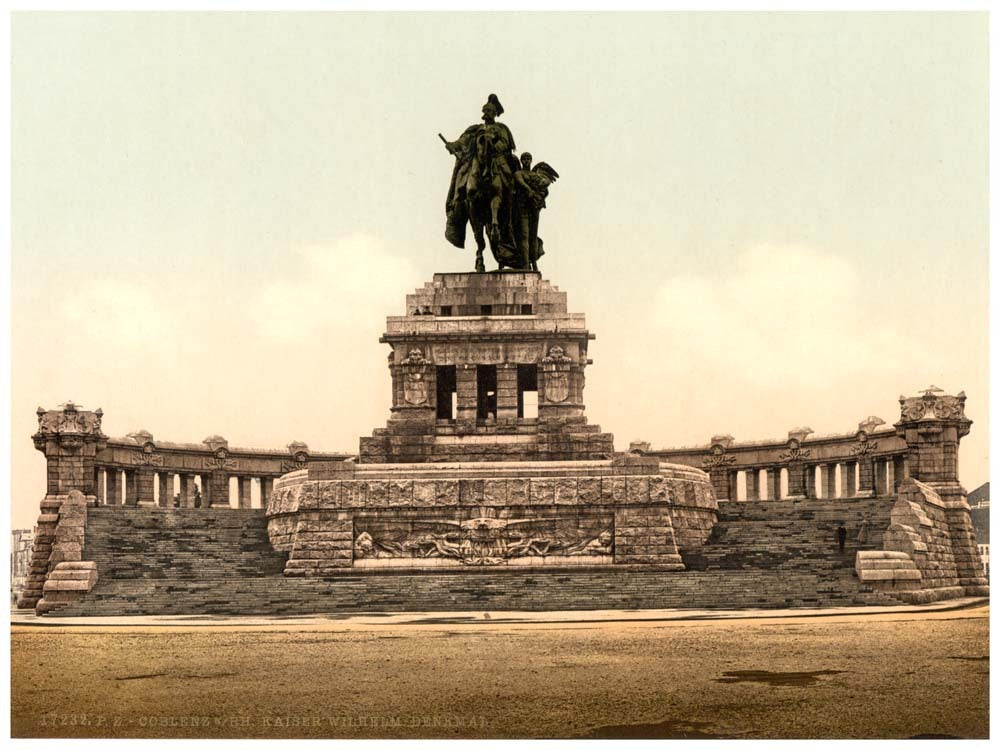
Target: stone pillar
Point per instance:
(866, 476)
(244, 491)
(187, 491)
(144, 480)
(720, 482)
(466, 397)
(414, 386)
(932, 425)
(881, 477)
(796, 479)
(899, 473)
(752, 477)
(101, 481)
(218, 493)
(560, 385)
(774, 484)
(733, 493)
(811, 489)
(829, 474)
(507, 392)
(166, 481)
(131, 488)
(847, 479)
(70, 439)
(206, 490)
(113, 483)
(266, 488)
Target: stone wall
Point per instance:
(935, 535)
(58, 573)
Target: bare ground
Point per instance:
(849, 676)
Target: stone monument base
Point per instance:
(345, 517)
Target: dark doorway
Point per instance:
(527, 382)
(446, 392)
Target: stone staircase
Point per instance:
(796, 538)
(191, 545)
(219, 562)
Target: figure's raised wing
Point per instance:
(546, 171)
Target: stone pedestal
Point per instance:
(933, 424)
(485, 340)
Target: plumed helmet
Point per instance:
(497, 106)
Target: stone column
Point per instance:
(796, 479)
(131, 488)
(720, 482)
(774, 484)
(811, 489)
(166, 481)
(829, 474)
(752, 477)
(144, 486)
(733, 493)
(466, 397)
(218, 493)
(101, 480)
(506, 393)
(847, 483)
(244, 491)
(187, 491)
(113, 483)
(866, 476)
(266, 488)
(881, 477)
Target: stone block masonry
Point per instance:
(488, 489)
(543, 514)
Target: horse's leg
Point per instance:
(477, 231)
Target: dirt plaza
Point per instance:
(894, 672)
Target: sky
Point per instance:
(770, 220)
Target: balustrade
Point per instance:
(872, 460)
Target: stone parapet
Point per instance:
(619, 511)
(54, 577)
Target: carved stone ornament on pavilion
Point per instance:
(556, 366)
(794, 453)
(931, 405)
(221, 460)
(864, 446)
(69, 421)
(484, 539)
(718, 458)
(147, 458)
(299, 458)
(415, 368)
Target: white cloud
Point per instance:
(780, 314)
(355, 278)
(119, 313)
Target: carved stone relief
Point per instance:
(483, 539)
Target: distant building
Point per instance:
(979, 502)
(20, 559)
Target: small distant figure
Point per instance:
(486, 616)
(863, 531)
(841, 537)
